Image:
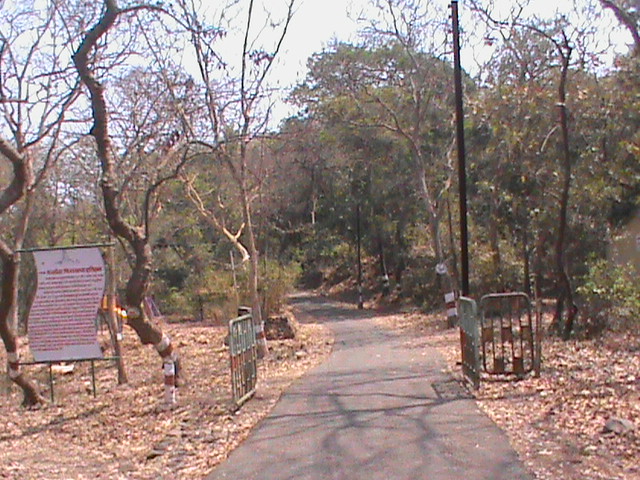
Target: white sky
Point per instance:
(317, 22)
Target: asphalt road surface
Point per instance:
(377, 409)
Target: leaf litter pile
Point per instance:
(579, 421)
(125, 432)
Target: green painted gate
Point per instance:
(243, 353)
(470, 340)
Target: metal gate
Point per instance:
(243, 352)
(510, 337)
(469, 340)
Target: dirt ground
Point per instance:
(125, 433)
(555, 422)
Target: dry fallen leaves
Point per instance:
(124, 433)
(556, 422)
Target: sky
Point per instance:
(317, 22)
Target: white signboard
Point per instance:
(62, 319)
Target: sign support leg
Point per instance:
(51, 381)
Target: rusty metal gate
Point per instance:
(470, 340)
(243, 353)
(509, 335)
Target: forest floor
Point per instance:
(125, 432)
(556, 422)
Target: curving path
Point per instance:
(377, 409)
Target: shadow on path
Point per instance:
(375, 409)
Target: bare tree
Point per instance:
(628, 14)
(163, 163)
(37, 89)
(236, 108)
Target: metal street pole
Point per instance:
(462, 176)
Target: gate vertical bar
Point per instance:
(469, 340)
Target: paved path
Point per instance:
(377, 409)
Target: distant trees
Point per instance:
(392, 98)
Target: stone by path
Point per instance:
(377, 409)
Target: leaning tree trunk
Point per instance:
(149, 332)
(137, 237)
(7, 303)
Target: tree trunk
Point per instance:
(401, 263)
(254, 274)
(383, 268)
(446, 282)
(526, 283)
(111, 319)
(12, 193)
(494, 242)
(563, 282)
(7, 303)
(136, 236)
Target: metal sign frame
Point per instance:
(243, 352)
(116, 358)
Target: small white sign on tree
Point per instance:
(62, 319)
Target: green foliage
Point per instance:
(325, 257)
(176, 302)
(611, 297)
(277, 282)
(486, 278)
(418, 283)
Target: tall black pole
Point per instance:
(360, 299)
(462, 175)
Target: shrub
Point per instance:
(610, 298)
(277, 282)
